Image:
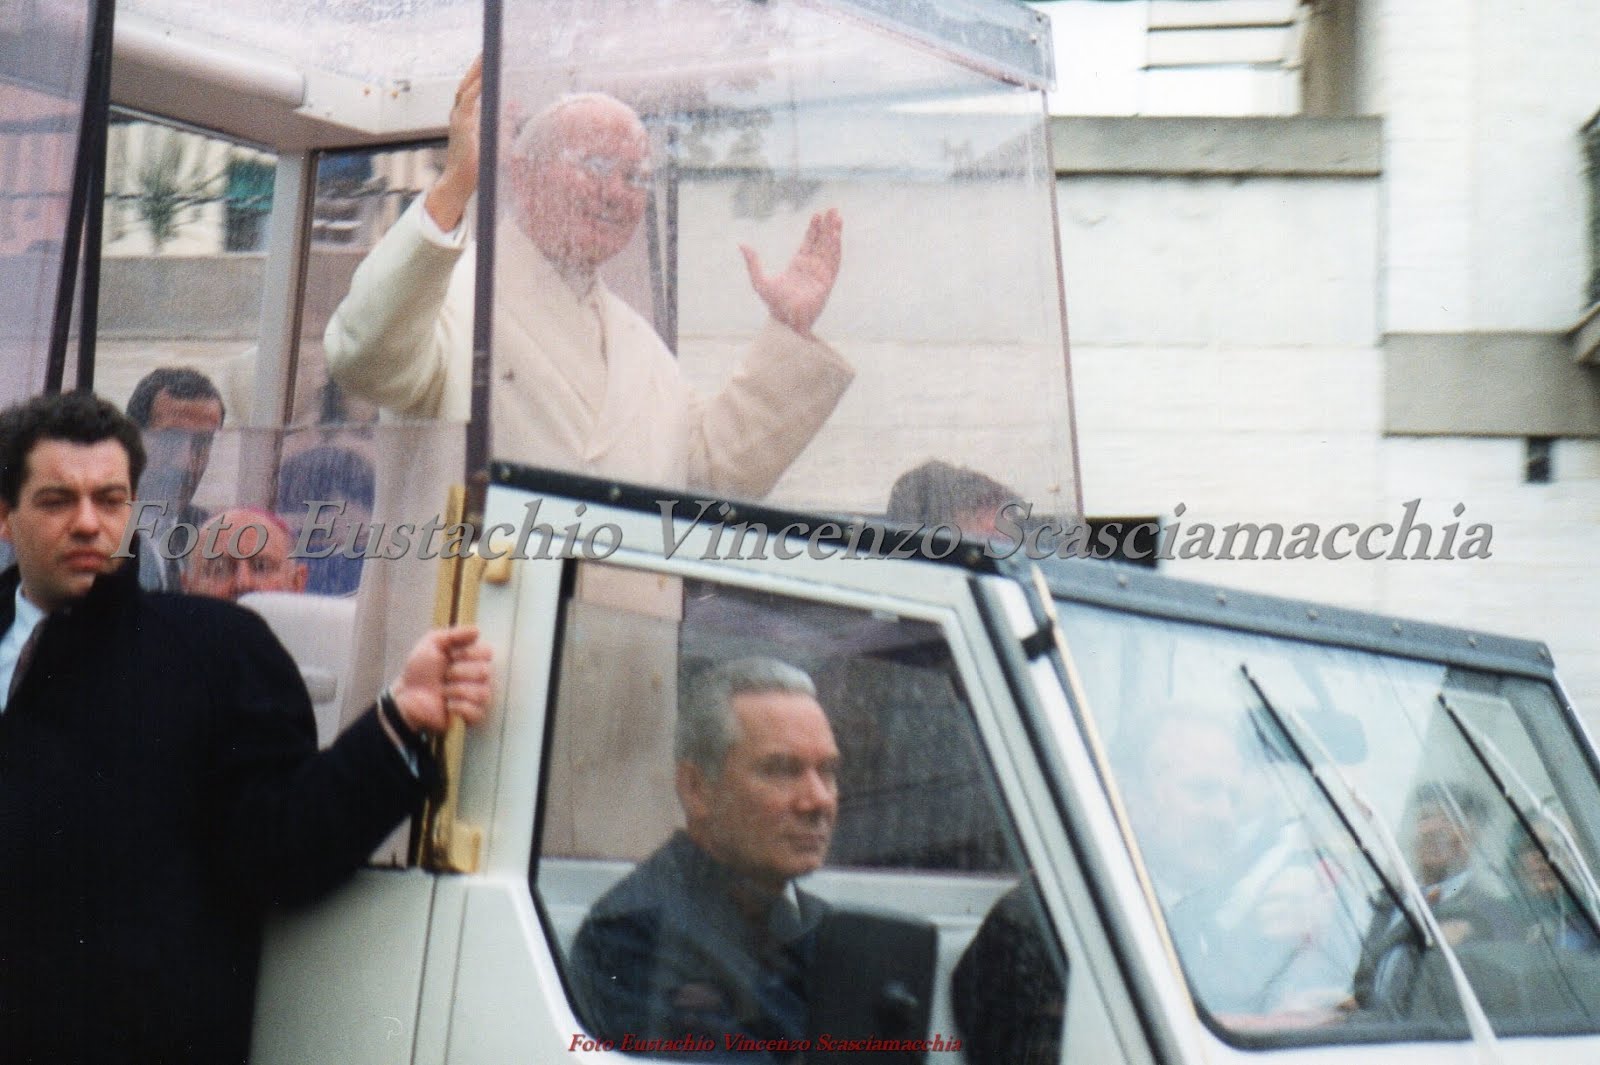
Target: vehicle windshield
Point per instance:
(1260, 777)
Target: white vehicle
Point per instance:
(1226, 826)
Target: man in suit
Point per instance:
(709, 937)
(160, 787)
(179, 412)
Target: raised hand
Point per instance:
(797, 296)
(447, 200)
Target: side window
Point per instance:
(359, 195)
(768, 825)
(181, 283)
(181, 292)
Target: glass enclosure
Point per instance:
(1274, 788)
(387, 42)
(237, 436)
(773, 251)
(799, 251)
(183, 261)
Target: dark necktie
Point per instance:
(24, 657)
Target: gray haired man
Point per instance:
(708, 937)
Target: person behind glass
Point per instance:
(249, 551)
(937, 493)
(1558, 919)
(1007, 994)
(329, 473)
(179, 412)
(581, 381)
(1447, 821)
(709, 936)
(160, 784)
(1183, 798)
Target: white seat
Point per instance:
(317, 631)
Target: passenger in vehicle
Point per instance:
(1182, 793)
(243, 549)
(936, 493)
(1557, 918)
(1008, 995)
(333, 474)
(179, 412)
(581, 380)
(160, 785)
(1187, 791)
(1447, 821)
(710, 937)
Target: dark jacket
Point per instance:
(1389, 974)
(1008, 993)
(159, 789)
(667, 954)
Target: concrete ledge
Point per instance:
(209, 297)
(1487, 384)
(1218, 147)
(181, 297)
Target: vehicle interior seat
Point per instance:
(317, 631)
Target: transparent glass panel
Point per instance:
(718, 815)
(359, 196)
(386, 41)
(776, 147)
(322, 531)
(182, 273)
(759, 250)
(44, 49)
(1279, 890)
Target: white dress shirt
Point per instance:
(27, 619)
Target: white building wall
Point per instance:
(1542, 580)
(1224, 352)
(1228, 332)
(1485, 231)
(1485, 215)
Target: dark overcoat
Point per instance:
(160, 789)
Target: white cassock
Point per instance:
(582, 382)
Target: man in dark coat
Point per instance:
(708, 940)
(159, 780)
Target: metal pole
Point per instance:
(88, 183)
(478, 429)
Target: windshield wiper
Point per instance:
(1418, 912)
(1479, 744)
(1411, 909)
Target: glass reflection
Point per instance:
(1264, 781)
(759, 251)
(768, 763)
(44, 51)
